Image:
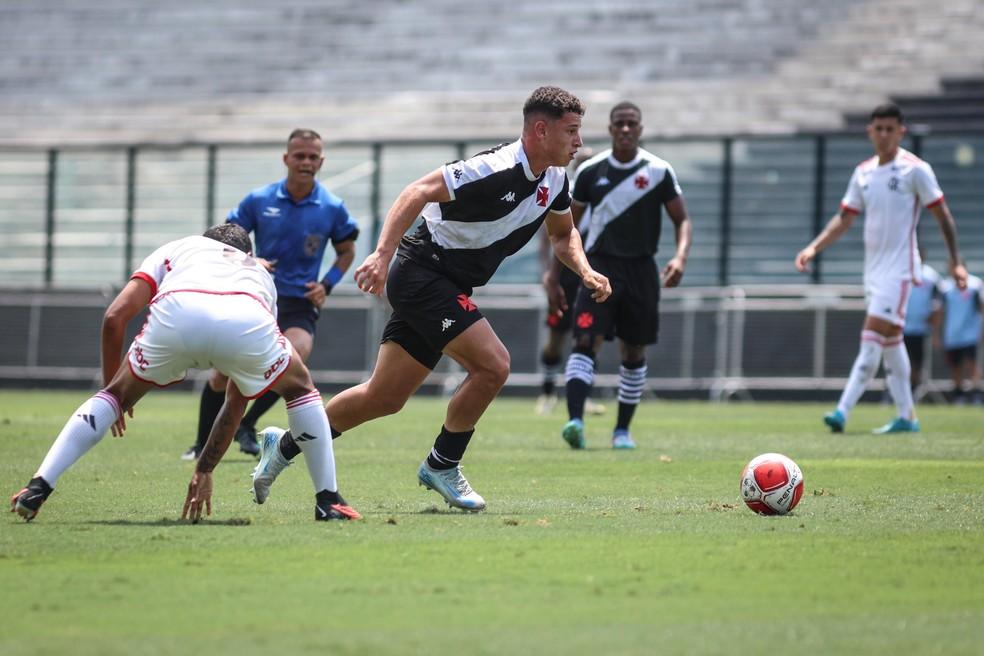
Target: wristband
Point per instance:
(333, 276)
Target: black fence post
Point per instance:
(49, 219)
(375, 193)
(726, 183)
(819, 182)
(210, 169)
(131, 202)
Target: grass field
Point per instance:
(594, 552)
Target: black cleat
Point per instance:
(331, 506)
(27, 502)
(246, 436)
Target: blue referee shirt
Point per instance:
(962, 323)
(294, 234)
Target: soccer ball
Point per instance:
(771, 484)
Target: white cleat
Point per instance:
(452, 485)
(272, 462)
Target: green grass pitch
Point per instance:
(593, 552)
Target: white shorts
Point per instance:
(887, 299)
(233, 333)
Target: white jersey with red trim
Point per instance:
(891, 196)
(200, 264)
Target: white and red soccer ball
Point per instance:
(771, 484)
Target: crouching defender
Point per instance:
(211, 304)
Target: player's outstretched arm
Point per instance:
(567, 246)
(128, 303)
(199, 495)
(371, 274)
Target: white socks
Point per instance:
(82, 432)
(864, 369)
(311, 432)
(897, 375)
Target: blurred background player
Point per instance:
(210, 303)
(921, 312)
(559, 323)
(625, 189)
(890, 188)
(962, 329)
(292, 221)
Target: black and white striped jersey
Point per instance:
(626, 202)
(497, 204)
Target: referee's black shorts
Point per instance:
(631, 313)
(428, 310)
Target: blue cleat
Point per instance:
(272, 462)
(622, 440)
(573, 433)
(835, 419)
(898, 425)
(452, 485)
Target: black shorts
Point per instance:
(294, 312)
(569, 283)
(631, 313)
(915, 346)
(428, 310)
(958, 355)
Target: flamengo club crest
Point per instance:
(542, 195)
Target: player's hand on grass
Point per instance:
(371, 274)
(199, 496)
(119, 426)
(600, 288)
(673, 272)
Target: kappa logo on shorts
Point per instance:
(446, 323)
(585, 320)
(466, 303)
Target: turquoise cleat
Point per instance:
(835, 419)
(622, 440)
(898, 425)
(272, 462)
(573, 433)
(452, 485)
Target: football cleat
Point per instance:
(192, 453)
(272, 462)
(452, 485)
(573, 433)
(835, 420)
(335, 511)
(898, 425)
(27, 503)
(622, 440)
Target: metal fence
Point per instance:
(86, 216)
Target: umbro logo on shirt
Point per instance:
(271, 211)
(509, 198)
